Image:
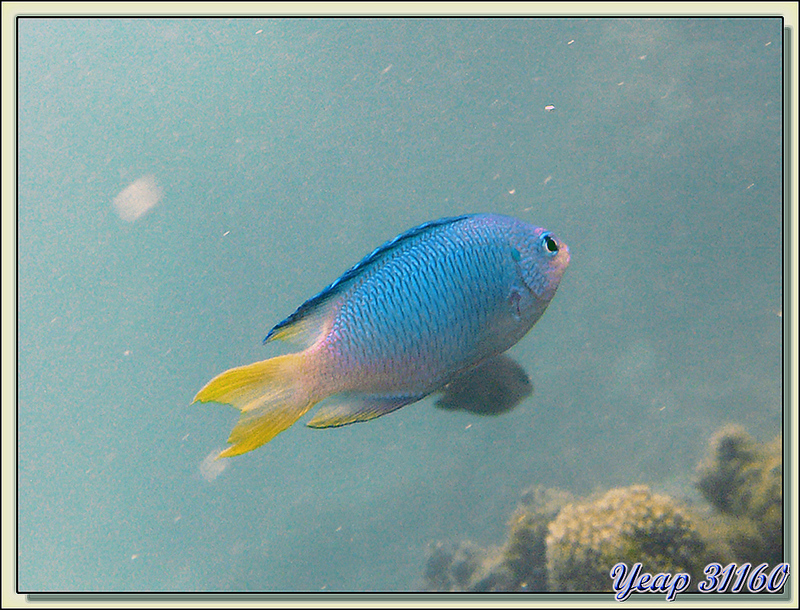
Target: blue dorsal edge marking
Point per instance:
(343, 280)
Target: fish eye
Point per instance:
(550, 244)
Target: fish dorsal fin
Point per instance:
(308, 320)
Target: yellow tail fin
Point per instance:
(269, 395)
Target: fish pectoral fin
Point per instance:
(356, 408)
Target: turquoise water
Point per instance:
(276, 153)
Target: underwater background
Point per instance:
(184, 184)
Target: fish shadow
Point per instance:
(495, 386)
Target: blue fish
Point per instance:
(419, 312)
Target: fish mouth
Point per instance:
(563, 256)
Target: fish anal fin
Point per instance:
(358, 408)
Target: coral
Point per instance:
(557, 544)
(744, 482)
(525, 550)
(629, 524)
(450, 568)
(519, 565)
